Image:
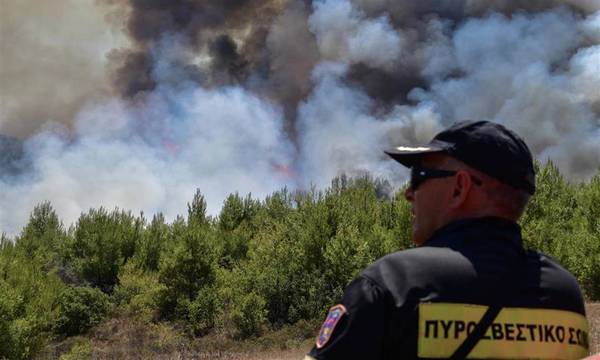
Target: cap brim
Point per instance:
(409, 155)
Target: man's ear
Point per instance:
(462, 187)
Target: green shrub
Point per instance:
(79, 351)
(561, 220)
(101, 244)
(242, 310)
(152, 244)
(236, 228)
(197, 211)
(13, 343)
(43, 234)
(138, 291)
(28, 290)
(248, 315)
(79, 309)
(586, 246)
(27, 337)
(187, 266)
(236, 211)
(548, 220)
(300, 261)
(201, 312)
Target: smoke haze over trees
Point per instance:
(136, 103)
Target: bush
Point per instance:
(236, 228)
(27, 337)
(187, 270)
(80, 350)
(561, 220)
(28, 290)
(138, 291)
(242, 311)
(586, 246)
(102, 243)
(188, 265)
(248, 315)
(152, 244)
(79, 309)
(300, 260)
(201, 312)
(43, 234)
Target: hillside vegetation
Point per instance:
(258, 266)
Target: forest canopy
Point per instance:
(256, 266)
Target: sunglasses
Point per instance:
(418, 175)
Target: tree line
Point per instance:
(256, 266)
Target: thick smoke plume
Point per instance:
(136, 103)
(51, 62)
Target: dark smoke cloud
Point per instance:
(136, 103)
(247, 42)
(12, 159)
(133, 74)
(292, 54)
(203, 28)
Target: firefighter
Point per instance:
(468, 288)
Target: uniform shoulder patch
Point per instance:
(333, 317)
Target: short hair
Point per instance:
(511, 200)
(508, 199)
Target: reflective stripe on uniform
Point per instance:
(524, 333)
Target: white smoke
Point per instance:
(536, 70)
(339, 134)
(345, 33)
(522, 72)
(153, 156)
(584, 70)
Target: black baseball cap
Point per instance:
(483, 145)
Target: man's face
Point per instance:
(430, 200)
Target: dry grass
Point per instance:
(127, 338)
(593, 315)
(130, 338)
(123, 338)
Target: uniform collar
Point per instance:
(492, 228)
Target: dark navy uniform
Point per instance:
(423, 302)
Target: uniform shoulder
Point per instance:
(422, 255)
(558, 283)
(551, 264)
(416, 264)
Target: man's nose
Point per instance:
(409, 194)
